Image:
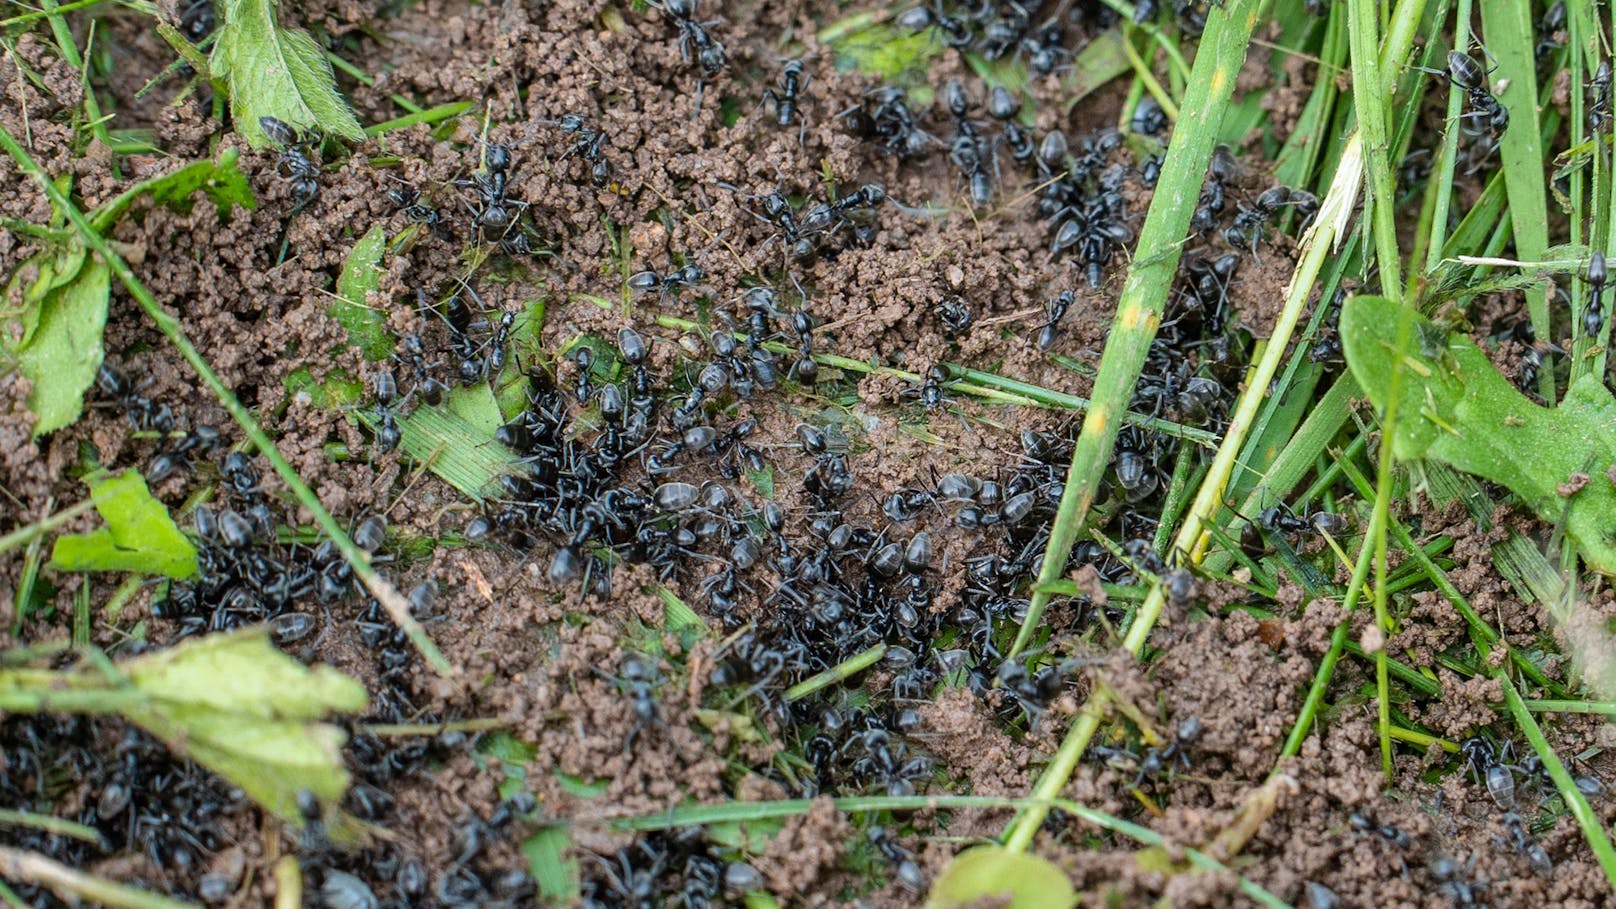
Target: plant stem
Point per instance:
(73, 885)
(846, 669)
(398, 608)
(25, 534)
(1144, 295)
(1593, 828)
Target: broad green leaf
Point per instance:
(245, 710)
(993, 871)
(139, 536)
(277, 72)
(556, 875)
(453, 440)
(361, 274)
(63, 353)
(244, 675)
(679, 618)
(1454, 407)
(881, 49)
(222, 182)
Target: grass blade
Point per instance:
(1144, 295)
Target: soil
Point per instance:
(543, 663)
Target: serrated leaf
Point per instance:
(361, 274)
(992, 871)
(277, 72)
(63, 352)
(139, 536)
(243, 709)
(223, 183)
(1454, 407)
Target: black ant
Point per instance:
(388, 435)
(709, 51)
(587, 143)
(1599, 97)
(407, 198)
(674, 282)
(792, 79)
(1054, 311)
(295, 161)
(1593, 315)
(1466, 73)
(806, 369)
(931, 390)
(1249, 223)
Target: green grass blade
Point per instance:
(1144, 295)
(1508, 28)
(1593, 828)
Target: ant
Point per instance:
(806, 369)
(1249, 223)
(1599, 100)
(407, 198)
(1593, 315)
(955, 314)
(388, 435)
(785, 101)
(494, 212)
(587, 143)
(674, 282)
(709, 51)
(1466, 73)
(1054, 311)
(931, 389)
(294, 161)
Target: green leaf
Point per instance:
(994, 871)
(277, 72)
(139, 536)
(883, 50)
(338, 390)
(1454, 407)
(453, 440)
(222, 182)
(507, 748)
(556, 875)
(244, 710)
(679, 618)
(361, 274)
(62, 353)
(50, 268)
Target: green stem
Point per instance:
(74, 886)
(25, 534)
(1606, 708)
(1442, 177)
(429, 116)
(1593, 828)
(398, 608)
(1144, 295)
(846, 669)
(1369, 101)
